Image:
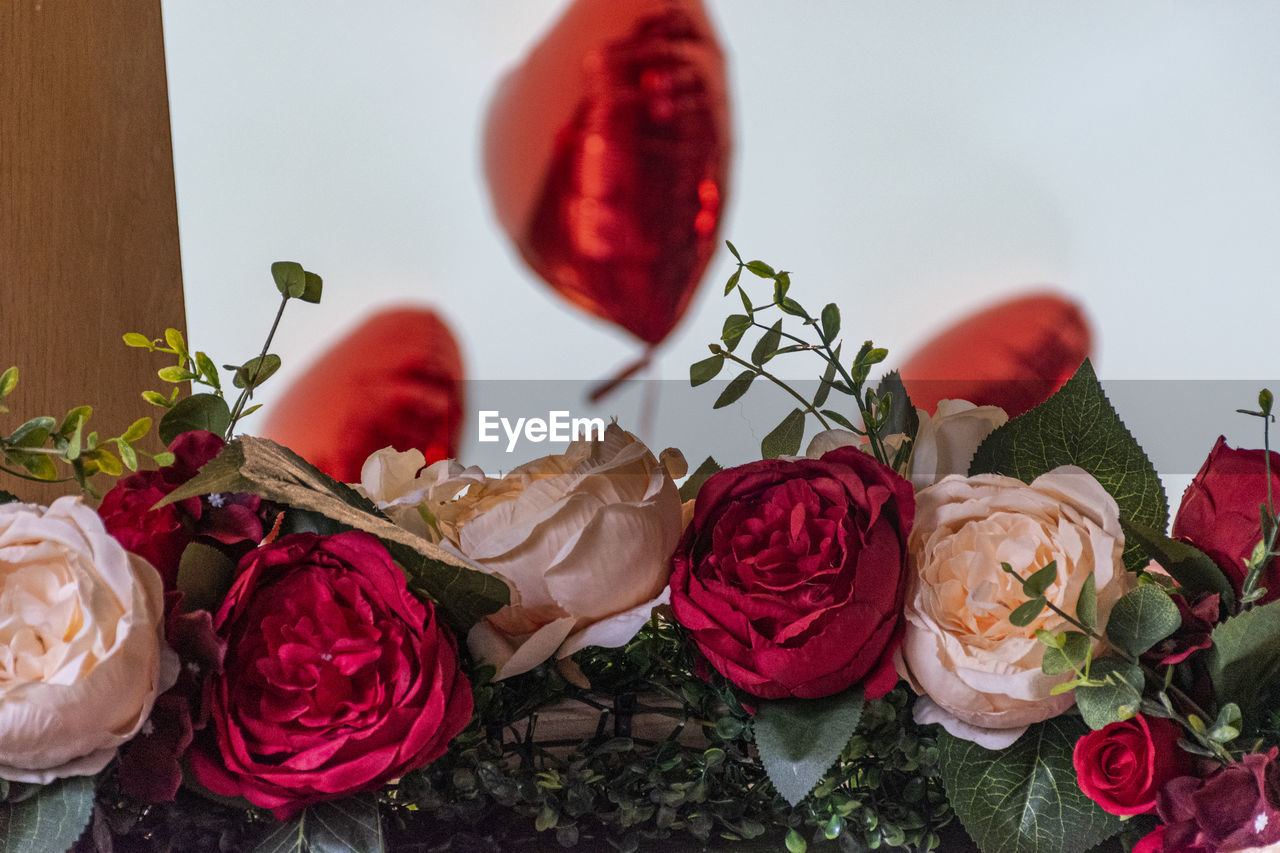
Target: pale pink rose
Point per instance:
(980, 673)
(419, 499)
(944, 444)
(82, 652)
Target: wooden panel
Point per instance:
(88, 217)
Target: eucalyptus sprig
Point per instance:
(1266, 549)
(874, 406)
(209, 410)
(35, 449)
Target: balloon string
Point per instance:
(610, 385)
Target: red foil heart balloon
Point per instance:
(607, 153)
(1013, 355)
(396, 380)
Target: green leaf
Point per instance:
(1026, 612)
(1245, 656)
(768, 344)
(790, 306)
(785, 438)
(705, 370)
(128, 455)
(134, 339)
(1024, 799)
(49, 821)
(174, 373)
(903, 417)
(1087, 602)
(735, 389)
(1194, 570)
(1040, 580)
(137, 430)
(9, 497)
(799, 739)
(1078, 426)
(33, 433)
(315, 286)
(761, 269)
(208, 370)
(830, 322)
(832, 414)
(339, 826)
(828, 377)
(1117, 698)
(204, 576)
(155, 398)
(290, 277)
(689, 489)
(174, 339)
(734, 327)
(733, 250)
(263, 467)
(8, 381)
(1141, 618)
(1075, 647)
(733, 281)
(256, 370)
(199, 411)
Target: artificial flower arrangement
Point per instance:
(927, 616)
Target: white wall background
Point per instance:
(910, 160)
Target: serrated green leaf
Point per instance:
(263, 467)
(734, 327)
(689, 489)
(314, 288)
(735, 389)
(768, 344)
(733, 282)
(1075, 647)
(785, 438)
(290, 278)
(1078, 426)
(1040, 580)
(1024, 799)
(134, 339)
(199, 411)
(337, 826)
(1087, 602)
(705, 370)
(1141, 618)
(903, 417)
(1117, 698)
(1245, 656)
(1194, 570)
(49, 821)
(799, 739)
(830, 322)
(8, 381)
(256, 370)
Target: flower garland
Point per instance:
(925, 616)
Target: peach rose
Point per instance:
(978, 674)
(82, 652)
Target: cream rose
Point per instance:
(944, 444)
(977, 673)
(82, 652)
(583, 539)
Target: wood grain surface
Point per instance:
(88, 215)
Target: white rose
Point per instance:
(82, 652)
(418, 499)
(944, 444)
(980, 672)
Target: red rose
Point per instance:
(790, 577)
(1236, 808)
(1122, 766)
(1152, 842)
(336, 678)
(1219, 512)
(161, 535)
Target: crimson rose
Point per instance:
(790, 577)
(1236, 808)
(1122, 766)
(336, 678)
(1219, 511)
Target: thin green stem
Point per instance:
(247, 393)
(808, 407)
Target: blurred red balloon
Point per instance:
(1013, 355)
(607, 153)
(396, 380)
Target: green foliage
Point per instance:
(1112, 692)
(1024, 799)
(339, 826)
(689, 489)
(199, 411)
(46, 818)
(799, 739)
(1078, 426)
(1194, 570)
(1141, 618)
(785, 438)
(1245, 658)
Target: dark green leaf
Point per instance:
(781, 284)
(903, 417)
(735, 389)
(705, 370)
(1069, 658)
(1078, 426)
(828, 376)
(733, 251)
(1141, 618)
(790, 306)
(768, 344)
(257, 370)
(49, 821)
(1245, 656)
(830, 322)
(204, 576)
(799, 739)
(689, 489)
(1040, 580)
(199, 411)
(785, 438)
(33, 433)
(734, 327)
(761, 269)
(338, 826)
(733, 281)
(315, 286)
(276, 473)
(1193, 569)
(1024, 799)
(290, 277)
(832, 414)
(746, 301)
(8, 497)
(1117, 699)
(1087, 602)
(1026, 612)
